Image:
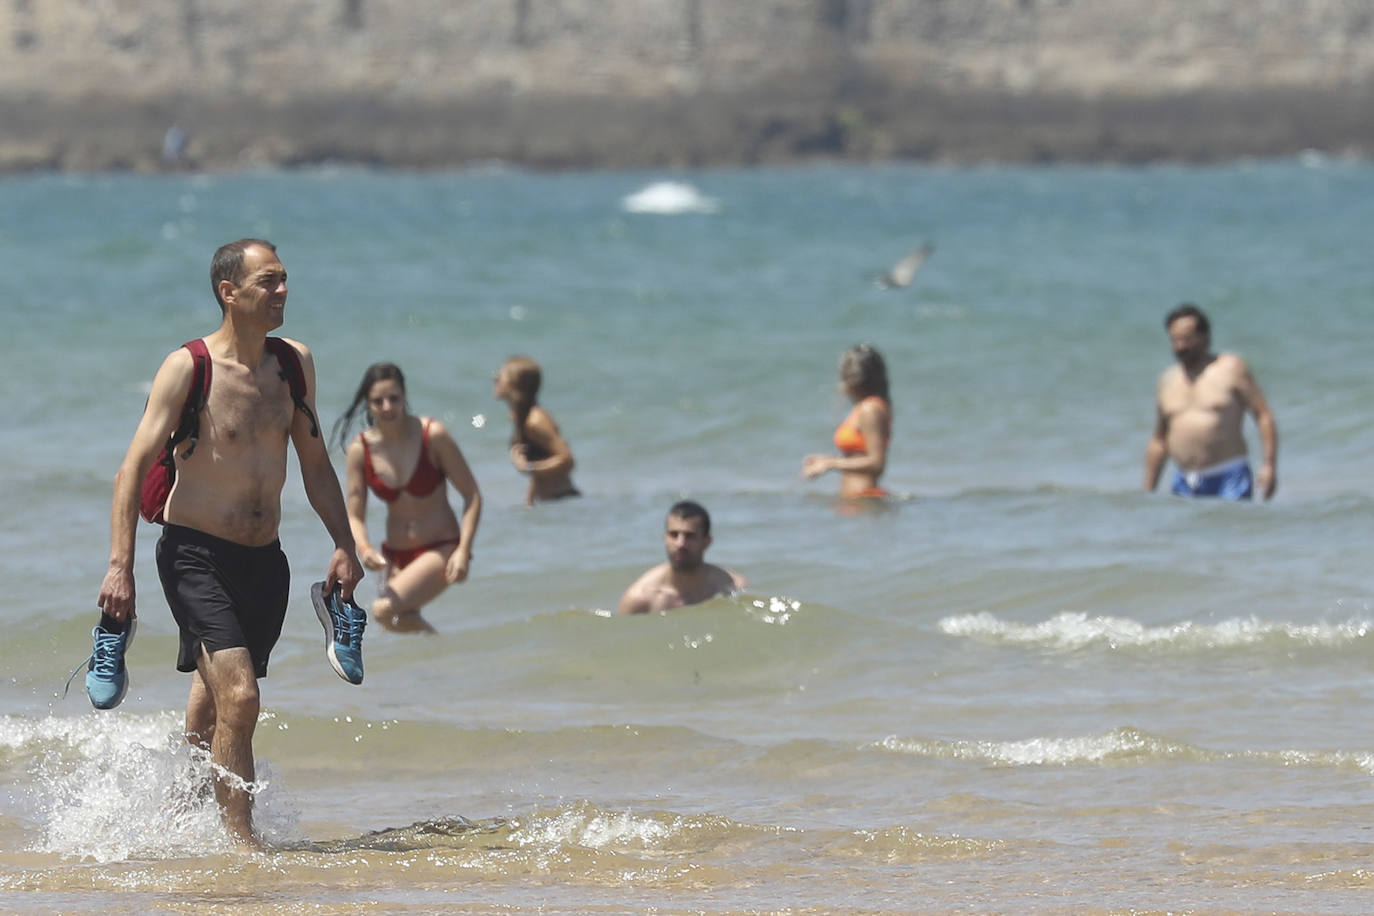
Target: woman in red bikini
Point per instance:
(864, 435)
(405, 460)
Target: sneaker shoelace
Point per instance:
(101, 660)
(75, 671)
(348, 625)
(105, 658)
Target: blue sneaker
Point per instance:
(343, 623)
(107, 678)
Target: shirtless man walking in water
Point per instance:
(686, 578)
(1201, 407)
(221, 565)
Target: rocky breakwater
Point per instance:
(610, 83)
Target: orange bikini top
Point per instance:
(848, 438)
(423, 480)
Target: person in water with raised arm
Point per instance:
(222, 568)
(863, 437)
(537, 446)
(406, 461)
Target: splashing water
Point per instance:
(110, 788)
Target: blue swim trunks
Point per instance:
(1228, 480)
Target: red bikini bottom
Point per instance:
(402, 557)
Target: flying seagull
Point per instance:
(904, 270)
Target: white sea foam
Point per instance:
(1042, 751)
(668, 198)
(1078, 630)
(594, 829)
(1120, 745)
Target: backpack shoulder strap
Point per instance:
(200, 382)
(294, 375)
(196, 395)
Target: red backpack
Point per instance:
(157, 485)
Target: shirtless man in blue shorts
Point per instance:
(219, 558)
(1200, 409)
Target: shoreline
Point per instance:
(871, 123)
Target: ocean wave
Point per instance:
(1075, 630)
(1120, 746)
(778, 610)
(903, 846)
(578, 842)
(749, 641)
(582, 828)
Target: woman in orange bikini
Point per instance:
(537, 447)
(864, 435)
(405, 460)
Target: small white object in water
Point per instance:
(478, 421)
(669, 197)
(518, 313)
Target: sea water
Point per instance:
(1019, 685)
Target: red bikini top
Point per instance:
(423, 480)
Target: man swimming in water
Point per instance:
(686, 578)
(1200, 411)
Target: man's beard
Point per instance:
(1192, 358)
(686, 564)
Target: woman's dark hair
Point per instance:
(525, 378)
(377, 372)
(863, 370)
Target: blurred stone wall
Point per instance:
(847, 68)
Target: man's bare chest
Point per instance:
(1208, 392)
(244, 410)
